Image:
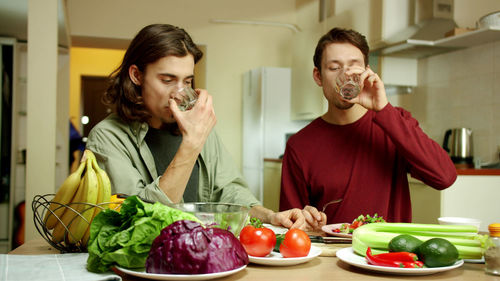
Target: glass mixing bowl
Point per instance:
(232, 217)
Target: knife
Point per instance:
(329, 240)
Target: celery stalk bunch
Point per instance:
(469, 243)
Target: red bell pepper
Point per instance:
(395, 259)
(375, 260)
(399, 256)
(415, 264)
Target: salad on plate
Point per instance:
(348, 228)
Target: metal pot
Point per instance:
(458, 144)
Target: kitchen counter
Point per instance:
(277, 160)
(321, 268)
(478, 172)
(460, 171)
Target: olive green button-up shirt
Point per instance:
(122, 152)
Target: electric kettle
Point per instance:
(458, 144)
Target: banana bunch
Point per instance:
(79, 199)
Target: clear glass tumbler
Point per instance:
(348, 84)
(187, 97)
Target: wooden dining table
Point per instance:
(319, 268)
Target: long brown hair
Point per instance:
(152, 43)
(340, 35)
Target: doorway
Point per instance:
(93, 88)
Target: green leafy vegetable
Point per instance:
(125, 238)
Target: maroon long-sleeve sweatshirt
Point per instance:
(364, 163)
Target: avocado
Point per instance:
(437, 252)
(404, 243)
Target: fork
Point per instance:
(331, 202)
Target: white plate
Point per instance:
(329, 229)
(481, 260)
(155, 276)
(347, 255)
(276, 259)
(276, 229)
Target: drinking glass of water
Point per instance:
(187, 97)
(348, 83)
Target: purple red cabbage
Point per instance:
(185, 247)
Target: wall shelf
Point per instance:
(422, 48)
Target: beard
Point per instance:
(342, 105)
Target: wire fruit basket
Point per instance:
(40, 207)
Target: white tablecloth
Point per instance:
(57, 267)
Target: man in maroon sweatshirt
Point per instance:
(361, 149)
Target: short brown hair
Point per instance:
(152, 43)
(340, 35)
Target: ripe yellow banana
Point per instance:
(65, 219)
(64, 196)
(85, 238)
(58, 233)
(87, 194)
(104, 195)
(59, 230)
(105, 184)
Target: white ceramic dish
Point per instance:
(276, 259)
(481, 260)
(276, 229)
(154, 276)
(491, 20)
(347, 255)
(459, 221)
(330, 230)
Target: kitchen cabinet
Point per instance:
(471, 196)
(272, 184)
(307, 101)
(419, 31)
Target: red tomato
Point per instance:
(257, 241)
(295, 244)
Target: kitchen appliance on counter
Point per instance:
(458, 144)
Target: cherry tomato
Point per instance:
(296, 244)
(258, 241)
(356, 224)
